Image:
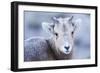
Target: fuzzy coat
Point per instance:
(37, 49)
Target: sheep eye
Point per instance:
(56, 34)
(72, 32)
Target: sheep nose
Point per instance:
(66, 47)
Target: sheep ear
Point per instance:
(48, 27)
(76, 23)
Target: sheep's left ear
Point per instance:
(75, 24)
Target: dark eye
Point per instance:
(56, 34)
(72, 32)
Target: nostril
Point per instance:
(66, 48)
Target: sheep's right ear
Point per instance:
(48, 27)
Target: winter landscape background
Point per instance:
(33, 28)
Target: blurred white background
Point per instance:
(5, 17)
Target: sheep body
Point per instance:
(37, 49)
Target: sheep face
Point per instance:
(62, 30)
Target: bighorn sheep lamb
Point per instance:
(58, 47)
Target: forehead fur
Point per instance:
(63, 23)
